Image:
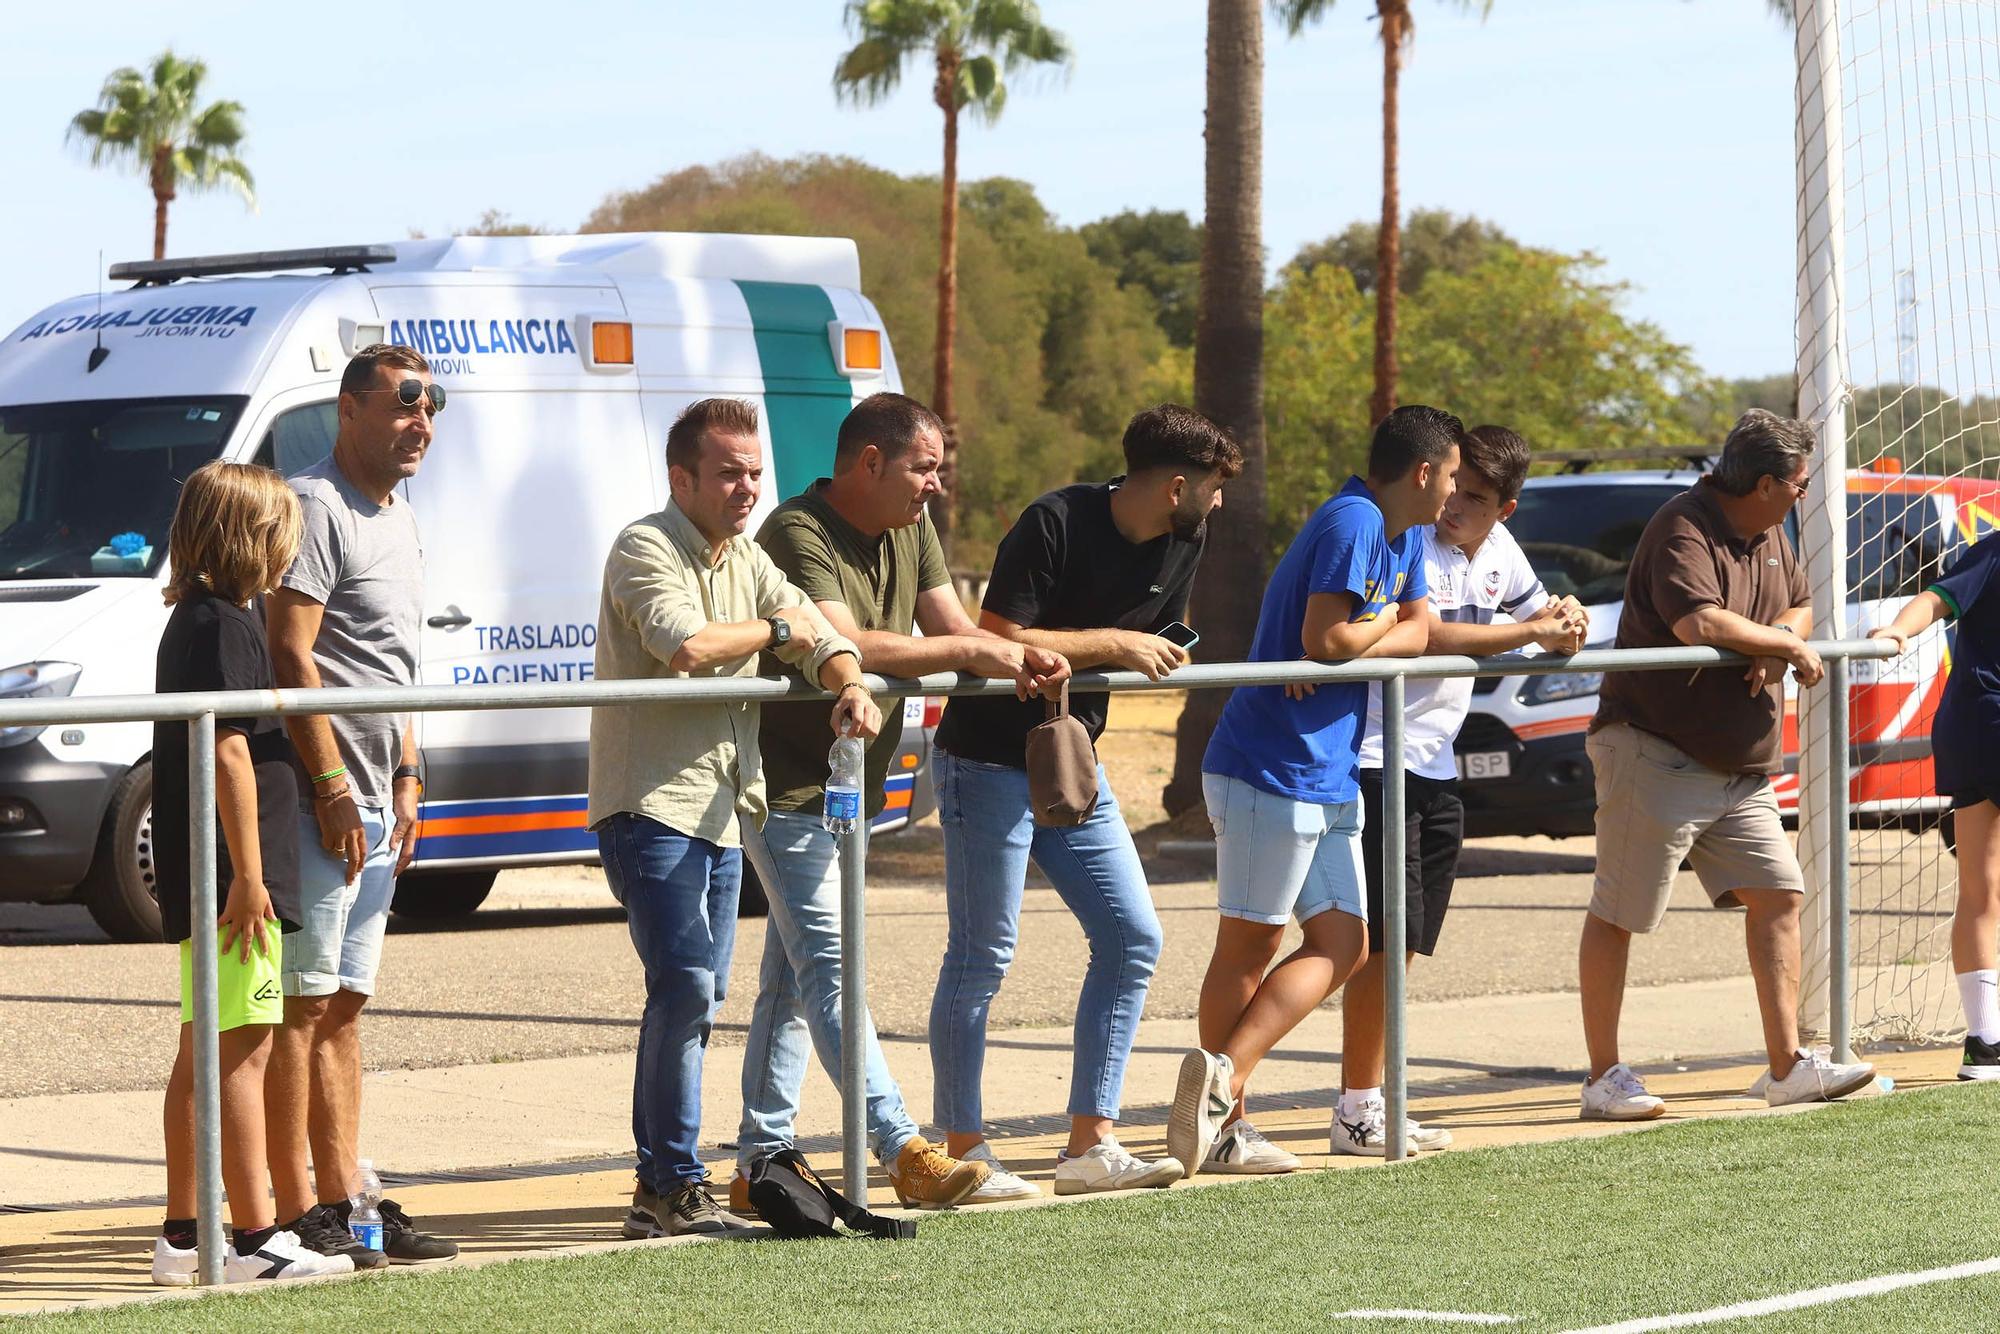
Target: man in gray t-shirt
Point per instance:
(347, 614)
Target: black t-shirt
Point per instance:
(211, 644)
(1065, 566)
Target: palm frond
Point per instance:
(870, 71)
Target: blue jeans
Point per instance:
(680, 904)
(338, 946)
(989, 835)
(798, 994)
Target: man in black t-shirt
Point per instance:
(1093, 572)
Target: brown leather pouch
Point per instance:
(1062, 767)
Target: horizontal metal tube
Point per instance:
(715, 690)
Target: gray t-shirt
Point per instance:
(364, 563)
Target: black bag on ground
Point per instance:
(789, 1196)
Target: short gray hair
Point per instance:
(1762, 444)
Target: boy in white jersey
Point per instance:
(1485, 600)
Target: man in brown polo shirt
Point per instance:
(1684, 759)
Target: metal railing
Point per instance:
(200, 710)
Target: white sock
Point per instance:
(1979, 993)
(1351, 1100)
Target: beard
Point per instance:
(1187, 527)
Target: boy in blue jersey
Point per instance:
(1280, 781)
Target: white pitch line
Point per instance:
(1794, 1301)
(1441, 1317)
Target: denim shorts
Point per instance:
(1276, 858)
(338, 947)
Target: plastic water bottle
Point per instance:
(841, 811)
(364, 1219)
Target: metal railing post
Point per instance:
(854, 1012)
(1840, 976)
(1395, 1090)
(207, 1074)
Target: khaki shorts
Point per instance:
(1656, 807)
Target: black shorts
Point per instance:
(1433, 834)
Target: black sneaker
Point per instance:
(322, 1230)
(642, 1220)
(407, 1246)
(1982, 1060)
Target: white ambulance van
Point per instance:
(565, 358)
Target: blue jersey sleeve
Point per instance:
(1345, 551)
(1964, 583)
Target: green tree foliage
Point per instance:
(1159, 252)
(1433, 238)
(1924, 429)
(1526, 338)
(152, 123)
(1053, 356)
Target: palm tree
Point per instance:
(969, 44)
(1397, 29)
(152, 123)
(1229, 366)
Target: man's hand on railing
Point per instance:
(1891, 634)
(1149, 655)
(1803, 659)
(1560, 626)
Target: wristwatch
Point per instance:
(408, 771)
(781, 631)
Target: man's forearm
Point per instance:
(1083, 648)
(892, 654)
(1716, 628)
(842, 669)
(1480, 641)
(720, 641)
(1406, 639)
(311, 733)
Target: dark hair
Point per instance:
(890, 422)
(360, 372)
(1762, 444)
(1410, 435)
(1498, 457)
(1171, 436)
(699, 420)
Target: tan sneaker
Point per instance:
(739, 1196)
(926, 1178)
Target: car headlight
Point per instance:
(35, 680)
(1567, 685)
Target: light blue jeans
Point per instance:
(798, 994)
(989, 836)
(338, 947)
(680, 906)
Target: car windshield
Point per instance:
(88, 489)
(1580, 538)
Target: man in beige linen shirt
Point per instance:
(687, 595)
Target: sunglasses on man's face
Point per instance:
(411, 392)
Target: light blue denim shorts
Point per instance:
(338, 947)
(1277, 858)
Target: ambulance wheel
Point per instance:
(751, 900)
(120, 889)
(430, 895)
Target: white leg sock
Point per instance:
(1351, 1100)
(1979, 992)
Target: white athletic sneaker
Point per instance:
(174, 1267)
(1201, 1101)
(1108, 1167)
(1618, 1095)
(1816, 1079)
(282, 1257)
(1243, 1151)
(1000, 1184)
(1367, 1134)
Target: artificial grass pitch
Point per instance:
(1557, 1236)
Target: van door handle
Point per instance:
(453, 619)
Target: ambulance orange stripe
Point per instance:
(1554, 727)
(502, 824)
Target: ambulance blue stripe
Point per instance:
(529, 842)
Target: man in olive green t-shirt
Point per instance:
(861, 547)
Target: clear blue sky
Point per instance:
(1657, 133)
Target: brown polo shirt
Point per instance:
(1689, 558)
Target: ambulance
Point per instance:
(565, 359)
(1520, 755)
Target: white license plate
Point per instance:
(1486, 764)
(913, 711)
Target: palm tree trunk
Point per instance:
(1229, 366)
(163, 194)
(1389, 236)
(946, 93)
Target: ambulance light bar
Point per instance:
(339, 258)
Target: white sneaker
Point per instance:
(1108, 1167)
(1000, 1184)
(1816, 1079)
(1201, 1102)
(1243, 1151)
(1366, 1133)
(174, 1267)
(1618, 1095)
(282, 1257)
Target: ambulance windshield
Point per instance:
(88, 489)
